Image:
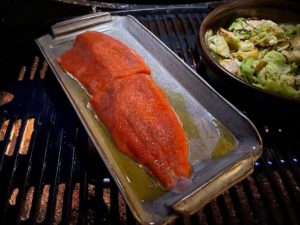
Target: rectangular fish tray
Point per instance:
(223, 143)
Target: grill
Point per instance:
(50, 172)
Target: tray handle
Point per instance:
(78, 23)
(203, 196)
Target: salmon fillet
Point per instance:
(93, 53)
(131, 105)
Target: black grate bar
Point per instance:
(161, 27)
(18, 176)
(70, 186)
(269, 199)
(181, 44)
(19, 160)
(35, 174)
(24, 94)
(55, 160)
(227, 208)
(82, 218)
(177, 31)
(258, 207)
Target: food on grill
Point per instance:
(260, 52)
(97, 60)
(130, 104)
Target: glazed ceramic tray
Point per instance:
(223, 143)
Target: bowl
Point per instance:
(244, 95)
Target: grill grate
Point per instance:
(58, 178)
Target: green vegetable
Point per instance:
(289, 29)
(275, 57)
(261, 52)
(247, 70)
(240, 55)
(281, 88)
(208, 34)
(246, 46)
(296, 42)
(295, 56)
(232, 41)
(241, 28)
(272, 71)
(231, 65)
(218, 45)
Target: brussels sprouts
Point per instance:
(240, 24)
(232, 41)
(288, 79)
(298, 29)
(208, 34)
(231, 66)
(259, 65)
(268, 33)
(289, 29)
(296, 42)
(247, 69)
(241, 28)
(297, 81)
(272, 71)
(295, 56)
(274, 56)
(261, 77)
(240, 55)
(264, 39)
(261, 52)
(218, 45)
(254, 23)
(281, 46)
(246, 46)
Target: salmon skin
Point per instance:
(131, 105)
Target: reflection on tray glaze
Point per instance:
(226, 142)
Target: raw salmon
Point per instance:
(95, 52)
(131, 105)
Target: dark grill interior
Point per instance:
(51, 174)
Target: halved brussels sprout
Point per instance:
(232, 41)
(288, 79)
(247, 70)
(289, 29)
(295, 56)
(218, 45)
(246, 46)
(296, 42)
(281, 46)
(275, 57)
(231, 65)
(240, 55)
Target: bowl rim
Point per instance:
(231, 5)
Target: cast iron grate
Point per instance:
(51, 174)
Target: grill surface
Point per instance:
(51, 174)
